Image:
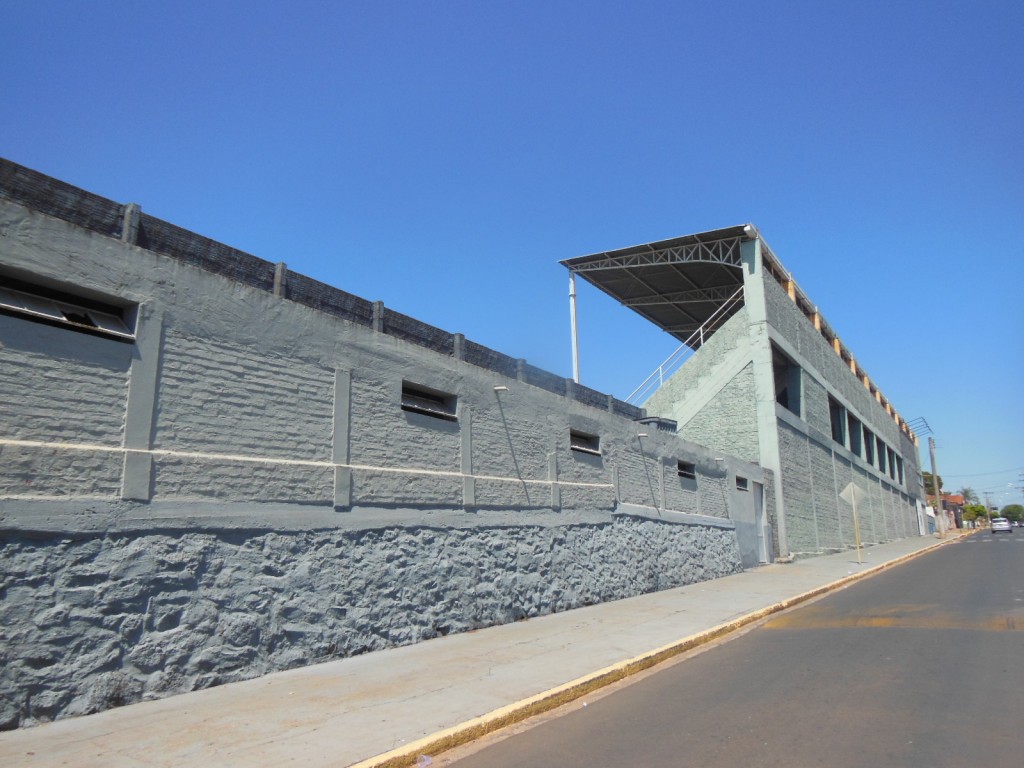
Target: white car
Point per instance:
(1001, 524)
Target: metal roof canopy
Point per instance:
(678, 284)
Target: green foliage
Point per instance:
(969, 494)
(928, 487)
(975, 512)
(1012, 512)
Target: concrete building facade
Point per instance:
(212, 467)
(771, 382)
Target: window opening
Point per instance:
(659, 423)
(869, 446)
(835, 412)
(429, 402)
(787, 381)
(899, 469)
(881, 453)
(56, 308)
(584, 442)
(687, 469)
(891, 455)
(855, 429)
(742, 484)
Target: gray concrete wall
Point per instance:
(239, 490)
(713, 398)
(712, 395)
(815, 468)
(798, 337)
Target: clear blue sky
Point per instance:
(442, 157)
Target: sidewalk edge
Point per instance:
(470, 730)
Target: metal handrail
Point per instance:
(676, 359)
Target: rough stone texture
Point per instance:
(825, 365)
(814, 473)
(729, 421)
(815, 404)
(230, 399)
(243, 386)
(74, 392)
(98, 621)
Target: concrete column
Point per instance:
(137, 474)
(459, 346)
(468, 480)
(755, 299)
(556, 492)
(280, 279)
(130, 218)
(662, 462)
(340, 443)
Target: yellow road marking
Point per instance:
(897, 617)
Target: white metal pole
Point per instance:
(572, 315)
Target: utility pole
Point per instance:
(939, 523)
(572, 320)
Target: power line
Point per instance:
(984, 474)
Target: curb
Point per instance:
(471, 730)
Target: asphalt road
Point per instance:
(921, 665)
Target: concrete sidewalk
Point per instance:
(391, 706)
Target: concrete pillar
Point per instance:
(755, 299)
(556, 491)
(130, 218)
(280, 279)
(340, 444)
(466, 453)
(143, 377)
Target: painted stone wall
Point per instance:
(815, 468)
(712, 395)
(94, 621)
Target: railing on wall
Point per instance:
(686, 350)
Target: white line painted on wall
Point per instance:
(287, 462)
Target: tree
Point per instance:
(975, 511)
(929, 489)
(1012, 512)
(969, 494)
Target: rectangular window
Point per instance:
(686, 469)
(429, 402)
(787, 381)
(899, 469)
(584, 442)
(742, 484)
(65, 310)
(881, 453)
(891, 455)
(837, 416)
(869, 446)
(855, 430)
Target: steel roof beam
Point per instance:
(696, 296)
(718, 252)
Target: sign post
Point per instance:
(851, 494)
